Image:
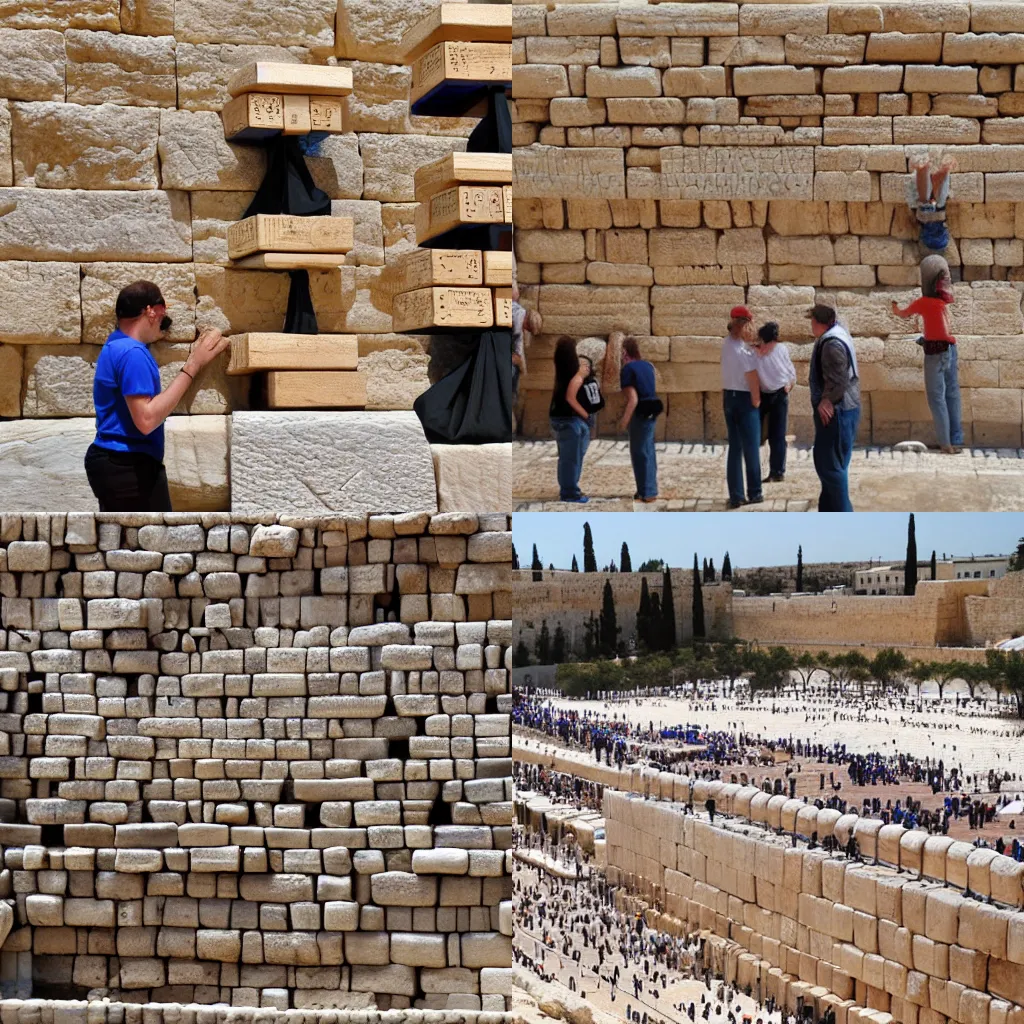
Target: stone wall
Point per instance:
(568, 599)
(676, 159)
(999, 614)
(256, 763)
(113, 166)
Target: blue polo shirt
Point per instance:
(125, 367)
(638, 374)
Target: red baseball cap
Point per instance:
(741, 313)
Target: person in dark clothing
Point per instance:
(638, 385)
(570, 422)
(835, 401)
(125, 464)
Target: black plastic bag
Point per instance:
(473, 403)
(494, 132)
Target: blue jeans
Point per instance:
(573, 436)
(775, 409)
(641, 455)
(833, 449)
(942, 385)
(743, 422)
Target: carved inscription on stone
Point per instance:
(553, 172)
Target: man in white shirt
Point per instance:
(777, 375)
(741, 399)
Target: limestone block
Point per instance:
(307, 23)
(212, 213)
(940, 79)
(737, 51)
(195, 155)
(396, 373)
(372, 30)
(781, 19)
(147, 17)
(774, 81)
(629, 81)
(555, 172)
(864, 78)
(203, 69)
(836, 50)
(1007, 980)
(110, 67)
(10, 380)
(338, 169)
(938, 129)
(983, 48)
(241, 300)
(325, 461)
(39, 303)
(904, 48)
(71, 224)
(102, 281)
(473, 476)
(679, 19)
(31, 63)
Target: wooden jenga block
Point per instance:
(506, 195)
(463, 169)
(312, 389)
(502, 307)
(498, 269)
(459, 23)
(255, 115)
(443, 307)
(254, 352)
(281, 233)
(296, 115)
(327, 114)
(464, 204)
(296, 79)
(291, 261)
(426, 268)
(461, 68)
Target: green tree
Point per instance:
(726, 568)
(537, 566)
(850, 667)
(608, 636)
(698, 603)
(1007, 669)
(575, 564)
(730, 661)
(591, 637)
(543, 646)
(935, 567)
(974, 674)
(668, 613)
(889, 666)
(704, 572)
(589, 561)
(558, 646)
(1017, 558)
(800, 569)
(910, 570)
(521, 655)
(625, 565)
(711, 569)
(652, 565)
(769, 669)
(805, 666)
(655, 628)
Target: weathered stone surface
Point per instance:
(102, 281)
(212, 213)
(42, 468)
(72, 224)
(337, 167)
(372, 30)
(237, 301)
(147, 17)
(346, 301)
(39, 303)
(109, 67)
(395, 376)
(203, 69)
(68, 145)
(477, 477)
(6, 170)
(274, 541)
(318, 462)
(369, 231)
(195, 155)
(10, 380)
(380, 97)
(31, 64)
(391, 161)
(61, 14)
(307, 23)
(544, 172)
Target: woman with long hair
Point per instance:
(570, 421)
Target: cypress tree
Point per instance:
(609, 630)
(711, 569)
(934, 567)
(589, 561)
(910, 570)
(558, 646)
(726, 567)
(643, 615)
(668, 613)
(537, 566)
(800, 569)
(575, 564)
(543, 647)
(698, 604)
(704, 571)
(625, 565)
(515, 557)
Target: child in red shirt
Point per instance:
(941, 378)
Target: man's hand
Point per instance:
(210, 345)
(826, 410)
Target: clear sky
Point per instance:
(761, 538)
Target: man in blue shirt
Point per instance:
(125, 463)
(640, 416)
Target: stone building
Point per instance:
(676, 159)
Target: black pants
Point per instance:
(127, 481)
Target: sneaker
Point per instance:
(581, 499)
(734, 504)
(774, 478)
(759, 500)
(647, 501)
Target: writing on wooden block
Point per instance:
(502, 307)
(461, 62)
(443, 307)
(459, 23)
(291, 261)
(326, 114)
(298, 79)
(461, 169)
(425, 268)
(282, 233)
(498, 269)
(506, 195)
(255, 115)
(296, 115)
(315, 389)
(464, 204)
(254, 352)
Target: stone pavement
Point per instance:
(692, 479)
